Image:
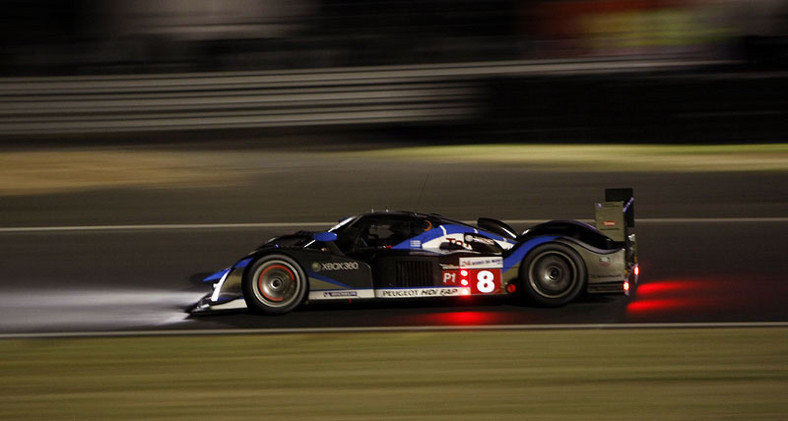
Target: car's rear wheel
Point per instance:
(553, 275)
(274, 284)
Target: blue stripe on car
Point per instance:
(442, 231)
(243, 263)
(519, 253)
(216, 276)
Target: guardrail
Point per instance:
(371, 95)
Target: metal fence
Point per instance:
(348, 96)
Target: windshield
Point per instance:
(338, 227)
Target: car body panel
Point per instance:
(403, 255)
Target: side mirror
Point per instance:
(324, 237)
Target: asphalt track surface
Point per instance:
(142, 266)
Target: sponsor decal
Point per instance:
(481, 262)
(340, 294)
(418, 292)
(609, 223)
(395, 293)
(332, 266)
(604, 261)
(415, 244)
(458, 243)
(448, 267)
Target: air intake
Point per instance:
(414, 273)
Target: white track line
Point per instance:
(313, 330)
(176, 227)
(164, 227)
(710, 220)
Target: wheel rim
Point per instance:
(553, 274)
(277, 284)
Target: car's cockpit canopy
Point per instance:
(381, 230)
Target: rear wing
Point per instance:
(615, 217)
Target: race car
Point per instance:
(410, 255)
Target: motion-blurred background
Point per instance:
(120, 36)
(145, 144)
(470, 70)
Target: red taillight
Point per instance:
(511, 288)
(637, 270)
(626, 286)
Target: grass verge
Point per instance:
(658, 158)
(57, 171)
(649, 375)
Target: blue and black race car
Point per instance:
(409, 255)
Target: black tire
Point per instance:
(274, 284)
(553, 275)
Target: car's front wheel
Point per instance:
(553, 275)
(274, 284)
